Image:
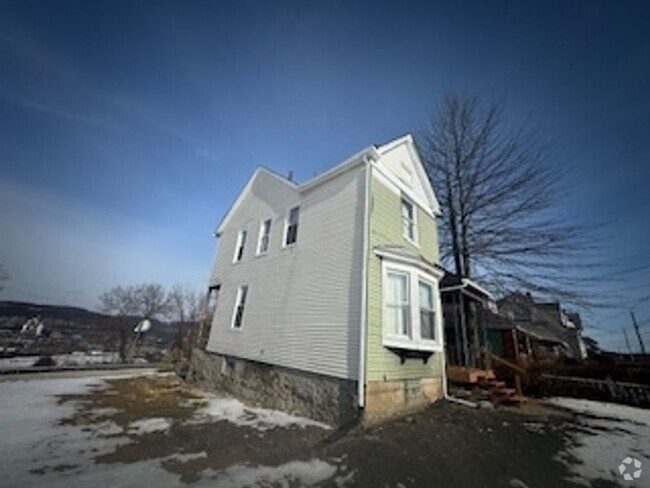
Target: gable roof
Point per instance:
(370, 153)
(421, 174)
(247, 189)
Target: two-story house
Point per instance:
(328, 290)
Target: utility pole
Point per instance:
(638, 334)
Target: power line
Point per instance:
(636, 328)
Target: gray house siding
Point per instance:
(303, 305)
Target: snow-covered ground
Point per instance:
(606, 434)
(72, 359)
(36, 450)
(234, 411)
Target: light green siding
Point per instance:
(385, 228)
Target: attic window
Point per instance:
(291, 233)
(239, 248)
(265, 231)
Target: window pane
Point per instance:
(241, 242)
(426, 296)
(292, 226)
(407, 220)
(407, 210)
(293, 215)
(406, 321)
(242, 297)
(265, 231)
(427, 316)
(398, 284)
(427, 324)
(292, 234)
(393, 319)
(239, 306)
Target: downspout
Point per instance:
(445, 390)
(361, 390)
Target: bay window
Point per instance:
(410, 303)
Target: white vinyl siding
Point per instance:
(303, 307)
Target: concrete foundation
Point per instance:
(389, 399)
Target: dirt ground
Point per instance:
(205, 445)
(446, 445)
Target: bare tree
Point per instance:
(498, 196)
(121, 303)
(129, 303)
(151, 300)
(185, 304)
(187, 307)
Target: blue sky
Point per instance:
(127, 129)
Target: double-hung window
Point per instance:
(265, 234)
(427, 312)
(291, 231)
(240, 303)
(239, 248)
(408, 219)
(398, 306)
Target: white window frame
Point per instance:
(434, 310)
(414, 220)
(242, 236)
(285, 234)
(261, 236)
(408, 303)
(238, 303)
(416, 341)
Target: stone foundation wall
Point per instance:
(388, 399)
(324, 398)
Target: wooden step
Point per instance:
(460, 374)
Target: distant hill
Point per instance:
(68, 329)
(60, 312)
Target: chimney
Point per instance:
(290, 177)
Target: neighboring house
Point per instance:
(518, 328)
(328, 290)
(464, 304)
(557, 332)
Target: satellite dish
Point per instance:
(143, 326)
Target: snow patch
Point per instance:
(294, 473)
(603, 437)
(604, 410)
(261, 419)
(147, 426)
